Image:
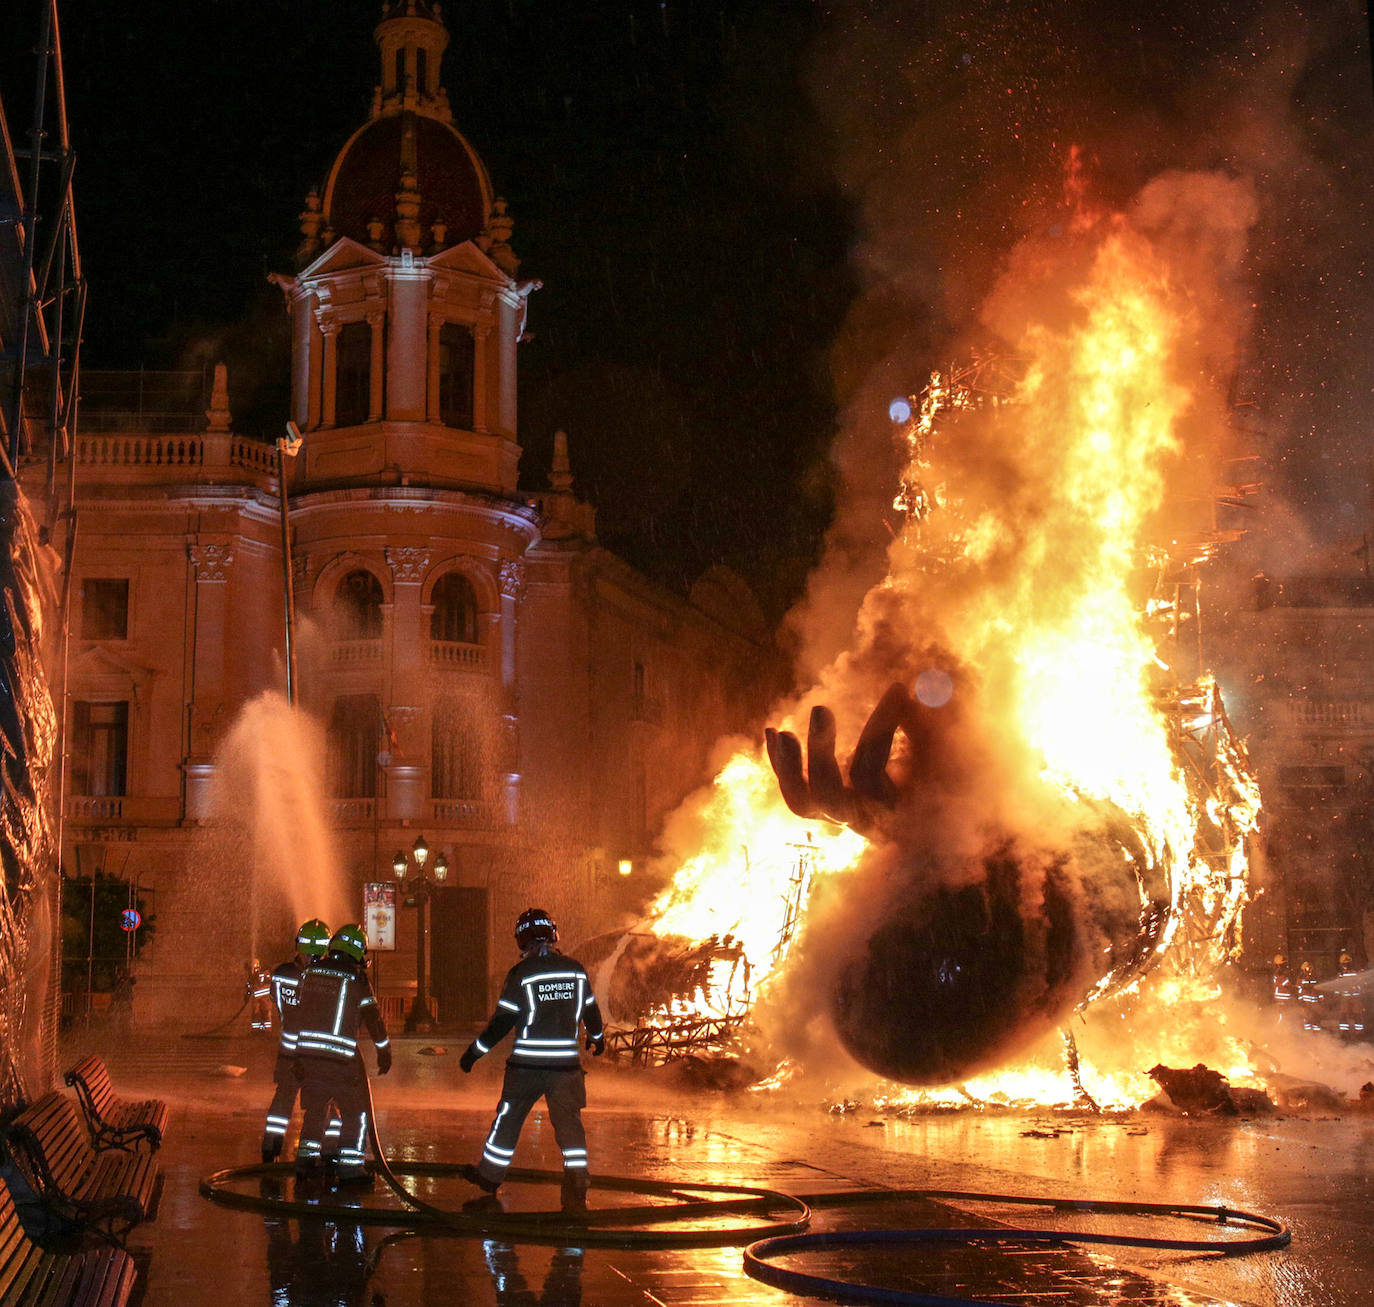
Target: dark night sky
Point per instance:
(750, 216)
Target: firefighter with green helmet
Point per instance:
(335, 1000)
(312, 942)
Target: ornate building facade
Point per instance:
(485, 674)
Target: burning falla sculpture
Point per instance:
(972, 948)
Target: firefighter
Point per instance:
(546, 998)
(1309, 999)
(259, 992)
(335, 999)
(1350, 1009)
(312, 943)
(1283, 983)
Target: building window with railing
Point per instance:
(353, 741)
(105, 608)
(100, 748)
(353, 387)
(456, 750)
(358, 607)
(455, 616)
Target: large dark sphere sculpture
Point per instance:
(965, 959)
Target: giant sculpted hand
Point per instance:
(960, 939)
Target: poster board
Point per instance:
(379, 915)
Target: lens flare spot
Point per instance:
(934, 688)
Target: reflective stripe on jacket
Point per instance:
(545, 999)
(286, 980)
(335, 998)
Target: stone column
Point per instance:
(302, 320)
(436, 325)
(209, 717)
(314, 371)
(376, 387)
(406, 350)
(512, 580)
(511, 323)
(408, 774)
(330, 371)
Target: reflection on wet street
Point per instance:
(1313, 1172)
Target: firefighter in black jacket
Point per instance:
(335, 999)
(312, 942)
(545, 999)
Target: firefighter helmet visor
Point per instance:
(351, 941)
(312, 939)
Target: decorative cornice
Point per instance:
(408, 562)
(212, 562)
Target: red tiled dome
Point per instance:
(450, 178)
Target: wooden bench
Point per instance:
(108, 1190)
(30, 1276)
(115, 1122)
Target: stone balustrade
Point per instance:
(355, 653)
(214, 455)
(1329, 712)
(475, 814)
(451, 654)
(354, 812)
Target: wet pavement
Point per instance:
(1313, 1172)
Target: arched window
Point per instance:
(354, 739)
(421, 72)
(358, 603)
(353, 384)
(455, 610)
(456, 750)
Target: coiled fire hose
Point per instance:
(780, 1235)
(758, 1263)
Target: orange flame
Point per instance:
(1034, 496)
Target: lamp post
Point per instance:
(288, 446)
(420, 886)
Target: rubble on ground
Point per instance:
(1201, 1091)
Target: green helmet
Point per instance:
(312, 939)
(350, 940)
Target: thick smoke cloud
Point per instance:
(950, 127)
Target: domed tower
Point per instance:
(407, 309)
(408, 535)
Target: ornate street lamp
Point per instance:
(420, 886)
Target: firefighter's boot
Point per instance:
(575, 1185)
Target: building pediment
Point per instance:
(468, 258)
(344, 255)
(108, 670)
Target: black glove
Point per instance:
(597, 1043)
(384, 1059)
(469, 1059)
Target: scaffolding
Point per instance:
(42, 314)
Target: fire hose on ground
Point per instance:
(782, 1234)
